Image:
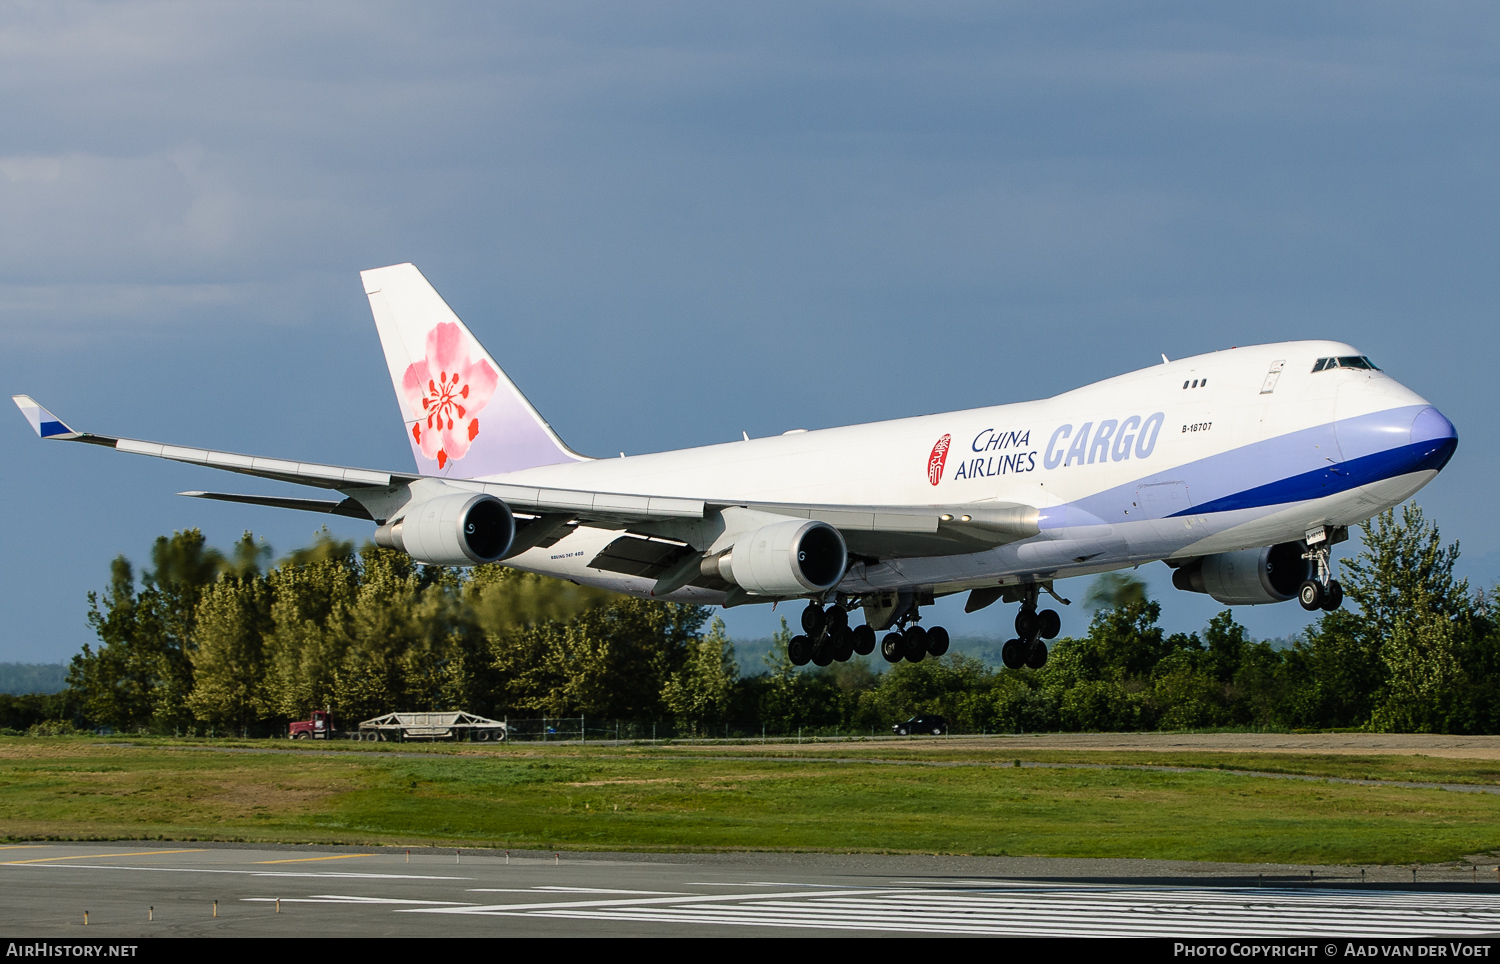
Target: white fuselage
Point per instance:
(1258, 449)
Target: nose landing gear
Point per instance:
(1027, 649)
(1322, 591)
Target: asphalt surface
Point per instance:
(157, 889)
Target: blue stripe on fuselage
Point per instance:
(1301, 465)
(1416, 457)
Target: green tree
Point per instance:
(229, 660)
(310, 634)
(700, 692)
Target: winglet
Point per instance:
(42, 421)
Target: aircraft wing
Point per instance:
(877, 531)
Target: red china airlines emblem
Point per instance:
(938, 459)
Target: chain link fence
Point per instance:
(584, 729)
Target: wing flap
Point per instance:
(346, 507)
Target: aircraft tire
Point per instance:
(1037, 658)
(915, 646)
(937, 641)
(1334, 596)
(864, 640)
(813, 621)
(892, 648)
(822, 653)
(1050, 623)
(843, 644)
(1012, 654)
(1026, 623)
(799, 650)
(1310, 596)
(836, 618)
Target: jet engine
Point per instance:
(452, 530)
(1247, 577)
(789, 558)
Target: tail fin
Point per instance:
(464, 418)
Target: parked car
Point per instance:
(936, 725)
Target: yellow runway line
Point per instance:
(138, 853)
(25, 846)
(299, 860)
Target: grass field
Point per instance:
(865, 797)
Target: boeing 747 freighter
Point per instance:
(1240, 469)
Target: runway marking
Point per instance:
(558, 904)
(552, 889)
(300, 860)
(341, 899)
(24, 846)
(29, 865)
(1057, 911)
(139, 853)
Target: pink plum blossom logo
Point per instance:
(451, 390)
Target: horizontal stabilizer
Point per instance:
(348, 507)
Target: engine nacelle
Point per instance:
(464, 529)
(789, 558)
(1248, 577)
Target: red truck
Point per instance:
(320, 727)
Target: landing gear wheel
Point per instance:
(799, 650)
(822, 653)
(1310, 595)
(1049, 623)
(916, 643)
(892, 647)
(1026, 623)
(1334, 596)
(843, 644)
(835, 618)
(1013, 654)
(864, 640)
(937, 641)
(1037, 658)
(813, 621)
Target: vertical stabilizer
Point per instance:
(464, 418)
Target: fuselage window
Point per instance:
(1184, 385)
(1203, 384)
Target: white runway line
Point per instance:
(341, 899)
(247, 873)
(1081, 912)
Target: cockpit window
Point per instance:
(1345, 361)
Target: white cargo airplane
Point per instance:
(1240, 469)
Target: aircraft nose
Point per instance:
(1433, 439)
(1431, 425)
(1398, 440)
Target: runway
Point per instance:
(163, 890)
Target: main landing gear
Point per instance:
(828, 637)
(1031, 628)
(914, 643)
(1322, 591)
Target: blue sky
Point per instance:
(675, 222)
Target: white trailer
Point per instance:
(454, 725)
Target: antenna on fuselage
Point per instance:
(1164, 359)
